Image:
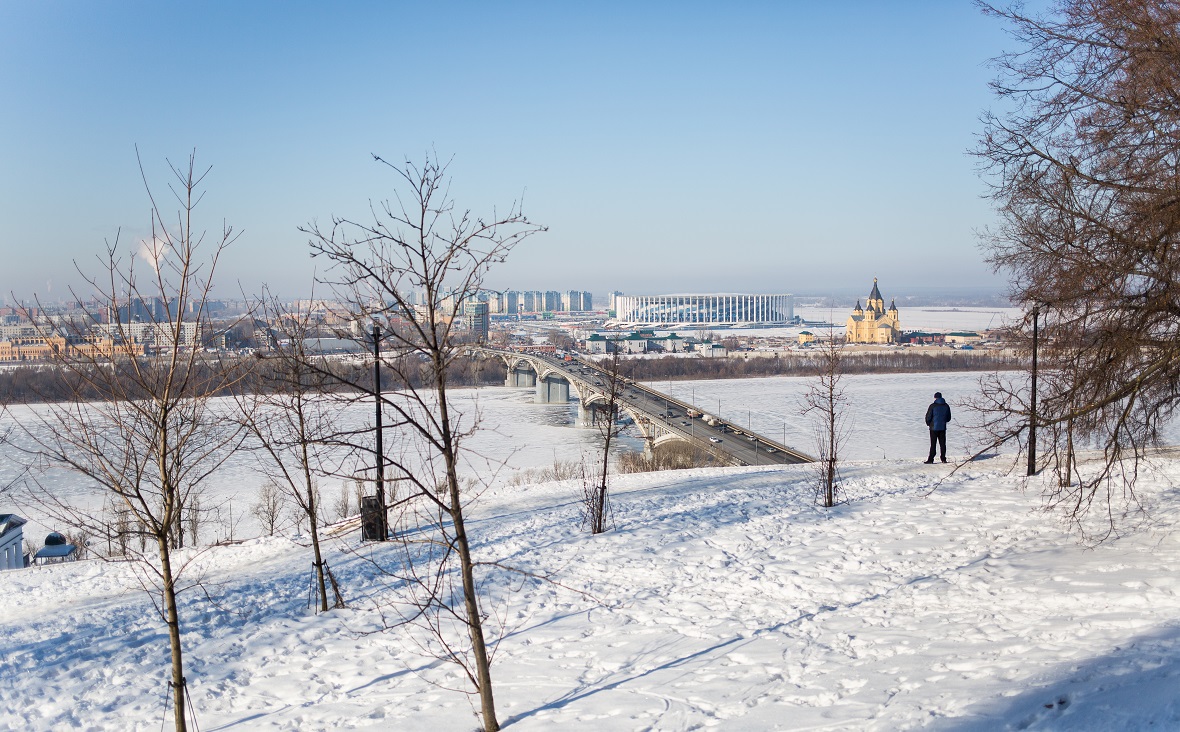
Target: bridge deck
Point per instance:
(667, 415)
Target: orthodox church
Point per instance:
(873, 324)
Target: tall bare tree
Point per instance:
(1083, 169)
(595, 500)
(409, 268)
(140, 425)
(827, 404)
(294, 423)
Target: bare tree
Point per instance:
(827, 403)
(294, 423)
(419, 243)
(1083, 170)
(343, 506)
(268, 508)
(605, 417)
(140, 425)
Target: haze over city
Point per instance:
(756, 147)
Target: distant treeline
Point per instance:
(802, 364)
(42, 383)
(49, 383)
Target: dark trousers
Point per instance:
(938, 438)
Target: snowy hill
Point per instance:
(723, 598)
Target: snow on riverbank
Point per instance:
(722, 599)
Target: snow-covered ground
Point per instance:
(722, 599)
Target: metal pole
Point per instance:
(1032, 413)
(380, 447)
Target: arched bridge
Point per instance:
(658, 416)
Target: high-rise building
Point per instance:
(476, 315)
(492, 298)
(587, 301)
(552, 301)
(149, 310)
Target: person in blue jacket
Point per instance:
(937, 415)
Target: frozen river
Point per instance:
(885, 420)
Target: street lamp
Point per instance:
(1032, 411)
(379, 447)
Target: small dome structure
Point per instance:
(55, 539)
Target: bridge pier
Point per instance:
(590, 415)
(521, 379)
(552, 390)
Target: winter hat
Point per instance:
(938, 395)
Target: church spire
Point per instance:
(876, 293)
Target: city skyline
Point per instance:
(760, 148)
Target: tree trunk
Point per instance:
(830, 477)
(173, 620)
(600, 506)
(829, 483)
(319, 567)
(474, 622)
(479, 649)
(311, 511)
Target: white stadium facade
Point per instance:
(705, 309)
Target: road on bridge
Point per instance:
(672, 415)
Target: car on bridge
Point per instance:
(714, 439)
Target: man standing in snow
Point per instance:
(937, 415)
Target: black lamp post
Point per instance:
(1032, 412)
(380, 447)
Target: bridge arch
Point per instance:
(667, 437)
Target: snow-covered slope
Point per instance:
(721, 599)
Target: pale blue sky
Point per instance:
(769, 147)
